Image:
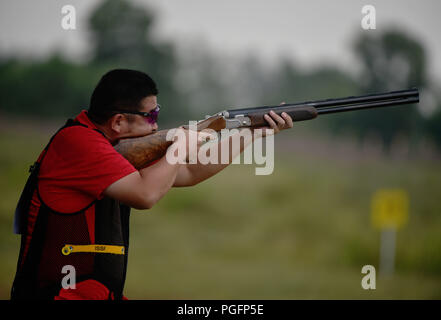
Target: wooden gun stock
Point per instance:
(144, 150)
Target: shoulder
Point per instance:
(78, 138)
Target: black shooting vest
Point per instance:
(40, 264)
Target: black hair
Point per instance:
(119, 89)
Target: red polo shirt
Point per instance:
(79, 165)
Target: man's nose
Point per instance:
(155, 126)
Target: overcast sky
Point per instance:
(309, 32)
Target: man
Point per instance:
(74, 212)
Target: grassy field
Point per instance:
(303, 232)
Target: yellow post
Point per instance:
(390, 212)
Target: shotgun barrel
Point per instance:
(341, 104)
(310, 109)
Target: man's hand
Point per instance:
(279, 123)
(276, 122)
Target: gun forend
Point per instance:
(256, 118)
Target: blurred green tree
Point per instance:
(54, 87)
(122, 37)
(389, 61)
(434, 126)
(120, 32)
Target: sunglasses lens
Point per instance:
(153, 116)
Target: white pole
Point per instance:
(387, 251)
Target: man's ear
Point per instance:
(118, 123)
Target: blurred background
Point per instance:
(304, 232)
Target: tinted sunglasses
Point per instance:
(151, 116)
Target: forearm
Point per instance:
(144, 188)
(159, 178)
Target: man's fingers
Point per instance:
(279, 119)
(288, 119)
(278, 123)
(271, 122)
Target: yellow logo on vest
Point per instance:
(92, 248)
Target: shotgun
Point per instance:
(143, 150)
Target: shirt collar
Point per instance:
(84, 119)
